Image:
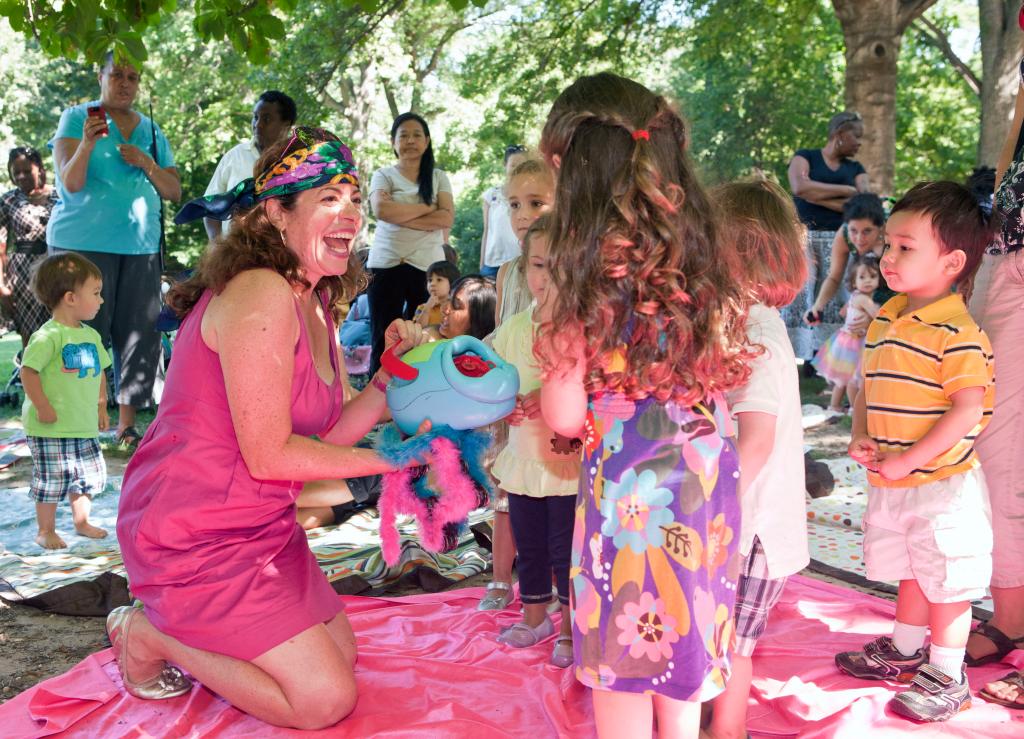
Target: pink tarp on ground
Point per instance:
(429, 666)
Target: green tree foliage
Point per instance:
(758, 81)
(755, 80)
(937, 115)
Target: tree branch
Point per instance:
(909, 11)
(938, 38)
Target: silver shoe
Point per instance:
(496, 601)
(170, 682)
(561, 654)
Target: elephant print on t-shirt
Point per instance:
(81, 358)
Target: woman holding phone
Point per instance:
(114, 166)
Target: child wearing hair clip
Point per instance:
(838, 359)
(648, 333)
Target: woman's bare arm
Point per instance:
(820, 193)
(253, 326)
(386, 209)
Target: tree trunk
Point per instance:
(1000, 53)
(873, 31)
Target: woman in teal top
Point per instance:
(113, 169)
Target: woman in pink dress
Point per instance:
(206, 524)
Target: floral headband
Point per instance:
(316, 164)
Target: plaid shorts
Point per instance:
(62, 466)
(756, 595)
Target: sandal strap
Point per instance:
(1016, 679)
(1004, 644)
(498, 585)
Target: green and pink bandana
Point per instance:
(315, 164)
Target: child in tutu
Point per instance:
(839, 357)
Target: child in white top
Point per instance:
(531, 193)
(539, 470)
(760, 223)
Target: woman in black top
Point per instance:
(822, 180)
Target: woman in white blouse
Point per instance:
(412, 202)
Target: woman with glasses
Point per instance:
(499, 243)
(24, 213)
(114, 167)
(413, 204)
(822, 180)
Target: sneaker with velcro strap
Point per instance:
(933, 696)
(881, 660)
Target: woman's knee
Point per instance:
(322, 708)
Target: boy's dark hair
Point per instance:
(445, 269)
(957, 220)
(60, 274)
(864, 205)
(285, 105)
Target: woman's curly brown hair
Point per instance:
(255, 243)
(634, 251)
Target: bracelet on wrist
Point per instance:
(378, 383)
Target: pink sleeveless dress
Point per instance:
(215, 555)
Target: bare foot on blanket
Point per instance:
(93, 532)
(50, 540)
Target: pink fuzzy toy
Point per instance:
(398, 497)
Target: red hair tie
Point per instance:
(641, 133)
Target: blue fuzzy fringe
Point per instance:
(472, 443)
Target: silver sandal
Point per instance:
(493, 601)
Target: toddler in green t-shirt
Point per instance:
(65, 408)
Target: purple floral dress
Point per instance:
(654, 556)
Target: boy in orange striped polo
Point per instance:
(927, 393)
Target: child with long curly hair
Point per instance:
(650, 334)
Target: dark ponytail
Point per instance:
(426, 176)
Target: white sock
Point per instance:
(908, 638)
(948, 659)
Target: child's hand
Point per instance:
(864, 451)
(517, 416)
(530, 404)
(46, 414)
(893, 466)
(104, 416)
